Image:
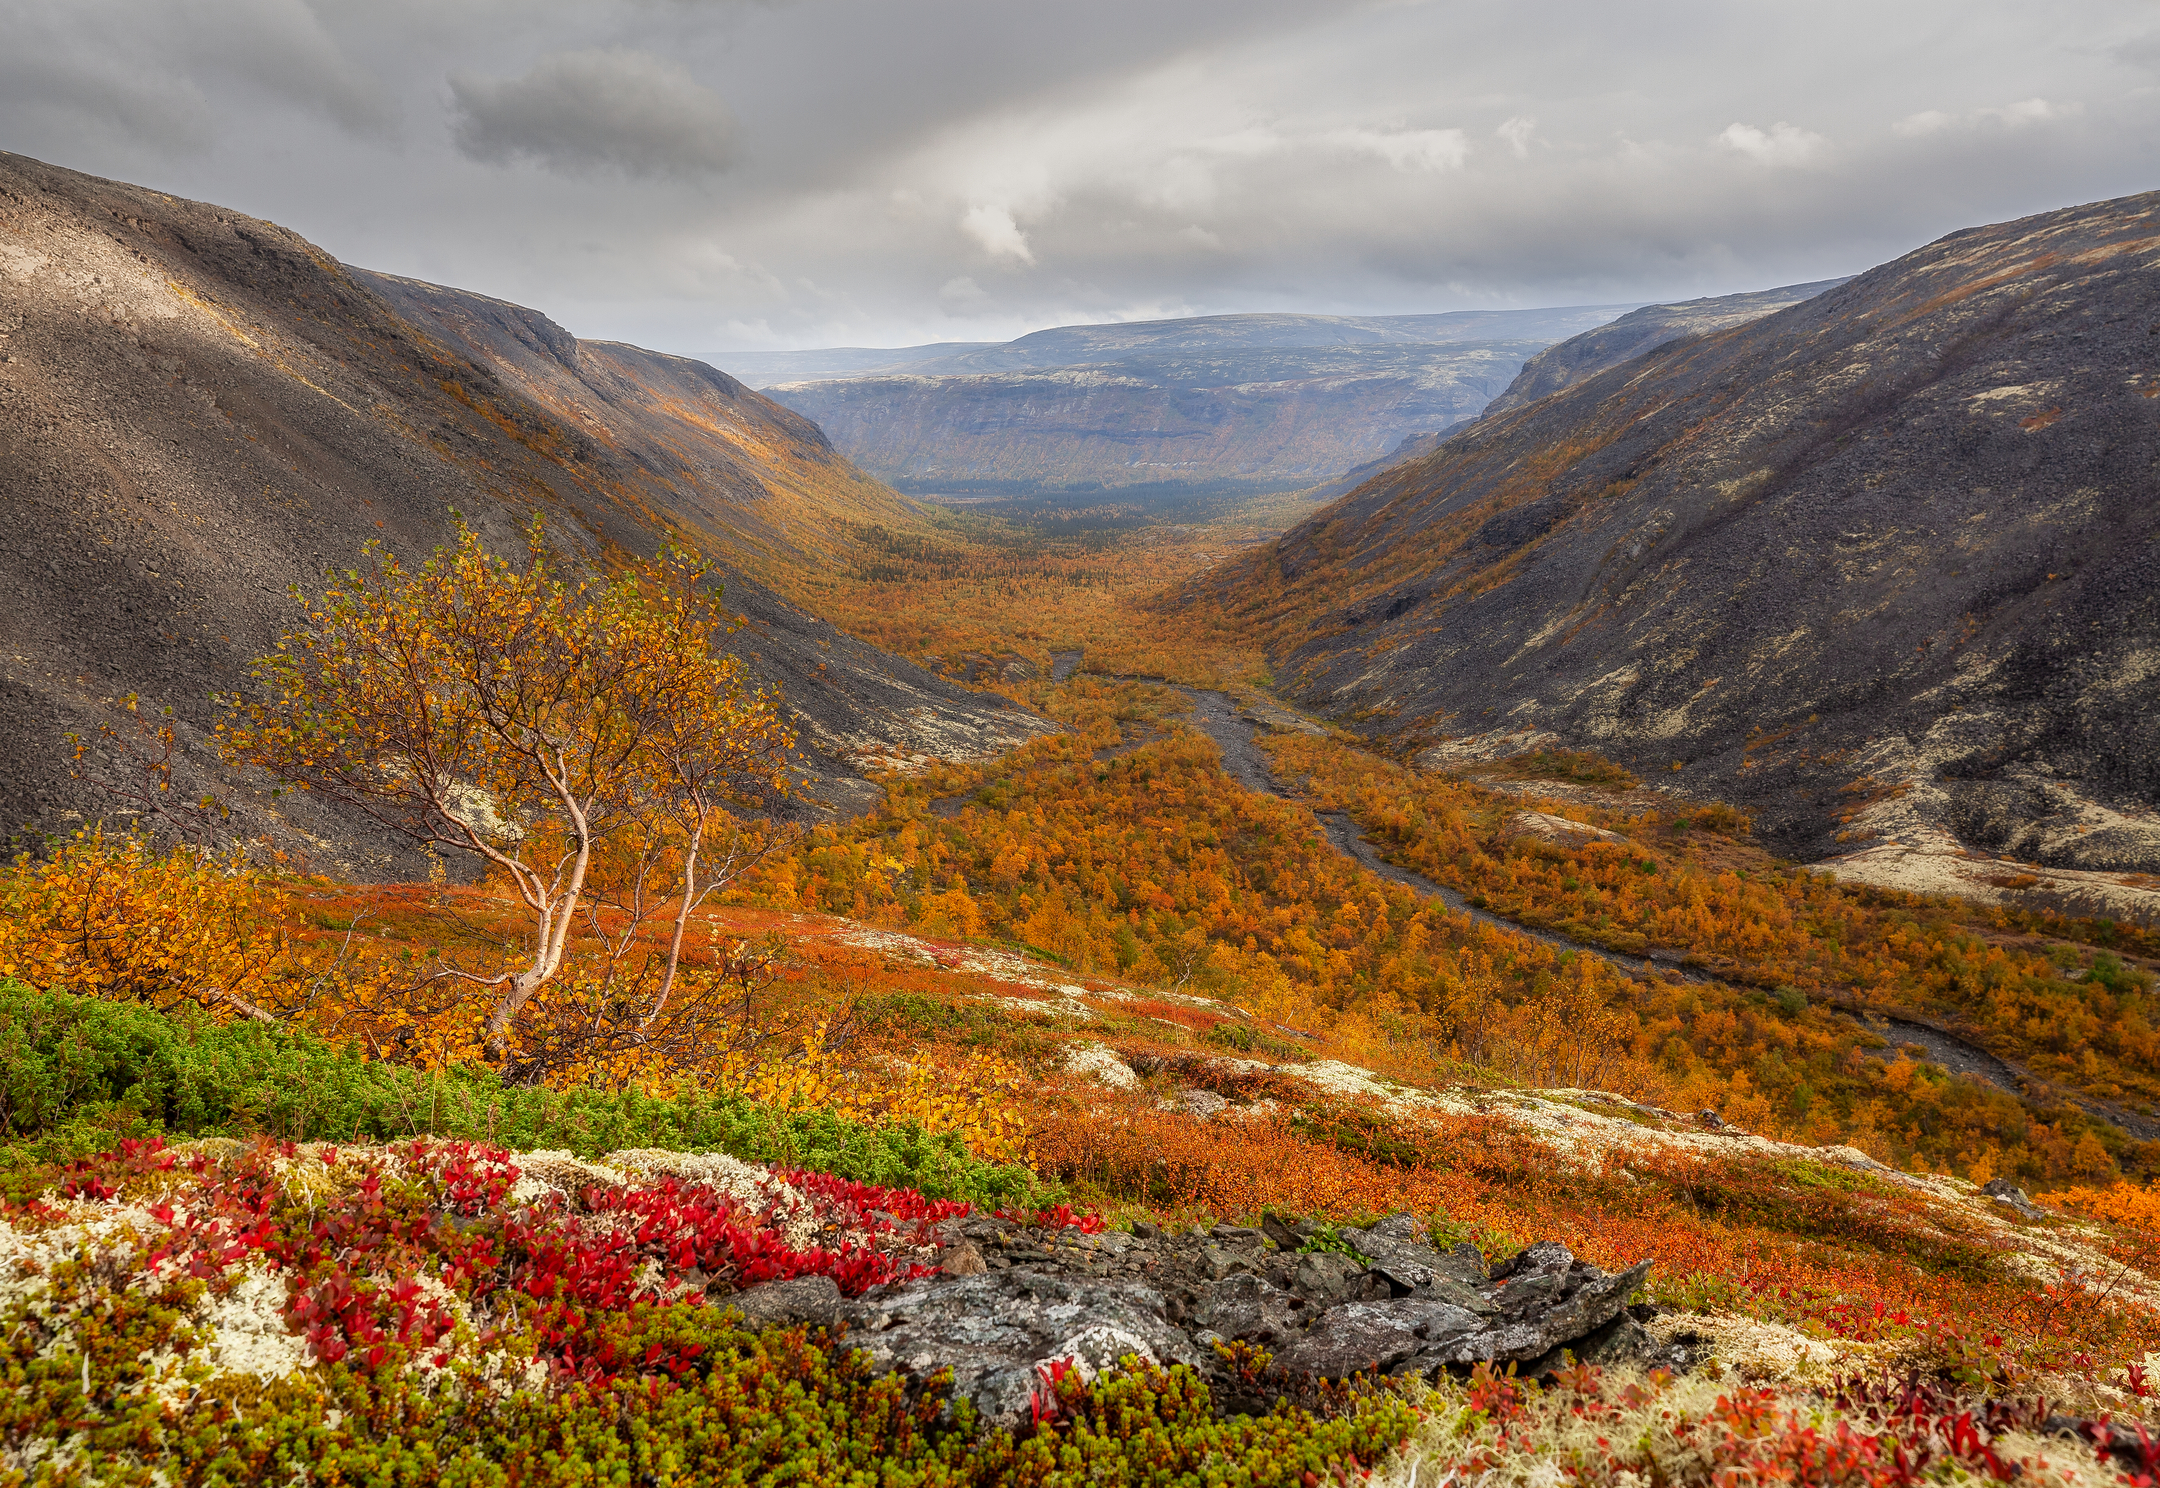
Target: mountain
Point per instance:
(1070, 346)
(1879, 565)
(762, 369)
(199, 410)
(1264, 418)
(1259, 402)
(1578, 357)
(1639, 331)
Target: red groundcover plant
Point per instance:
(387, 1253)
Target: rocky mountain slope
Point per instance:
(1640, 331)
(1265, 401)
(199, 410)
(1879, 565)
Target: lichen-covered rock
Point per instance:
(994, 1331)
(804, 1299)
(1376, 1336)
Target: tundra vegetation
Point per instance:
(446, 1181)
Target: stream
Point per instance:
(1219, 716)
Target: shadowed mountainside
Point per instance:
(1641, 331)
(1879, 565)
(199, 410)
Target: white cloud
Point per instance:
(1927, 121)
(2031, 111)
(993, 228)
(2009, 116)
(1411, 149)
(1199, 237)
(580, 112)
(1518, 132)
(1780, 144)
(962, 291)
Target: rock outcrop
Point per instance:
(1027, 1297)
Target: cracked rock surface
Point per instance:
(1401, 1306)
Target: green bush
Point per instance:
(1248, 1040)
(77, 1074)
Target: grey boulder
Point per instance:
(995, 1330)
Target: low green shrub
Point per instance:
(78, 1074)
(1248, 1040)
(712, 1404)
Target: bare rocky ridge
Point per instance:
(1581, 356)
(1879, 565)
(199, 410)
(1641, 331)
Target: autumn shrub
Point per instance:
(975, 1097)
(1575, 766)
(1242, 1038)
(112, 915)
(1814, 945)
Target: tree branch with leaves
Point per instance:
(534, 721)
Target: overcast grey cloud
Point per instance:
(703, 174)
(576, 112)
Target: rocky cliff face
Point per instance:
(1641, 331)
(1880, 565)
(199, 410)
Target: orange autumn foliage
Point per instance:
(110, 915)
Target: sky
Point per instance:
(700, 176)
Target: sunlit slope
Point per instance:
(1876, 565)
(200, 410)
(684, 442)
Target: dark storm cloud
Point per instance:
(698, 174)
(580, 111)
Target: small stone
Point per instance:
(805, 1299)
(2008, 1194)
(1220, 1263)
(1325, 1274)
(964, 1259)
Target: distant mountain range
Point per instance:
(199, 410)
(1240, 401)
(1879, 564)
(1072, 346)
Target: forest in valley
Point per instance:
(1679, 964)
